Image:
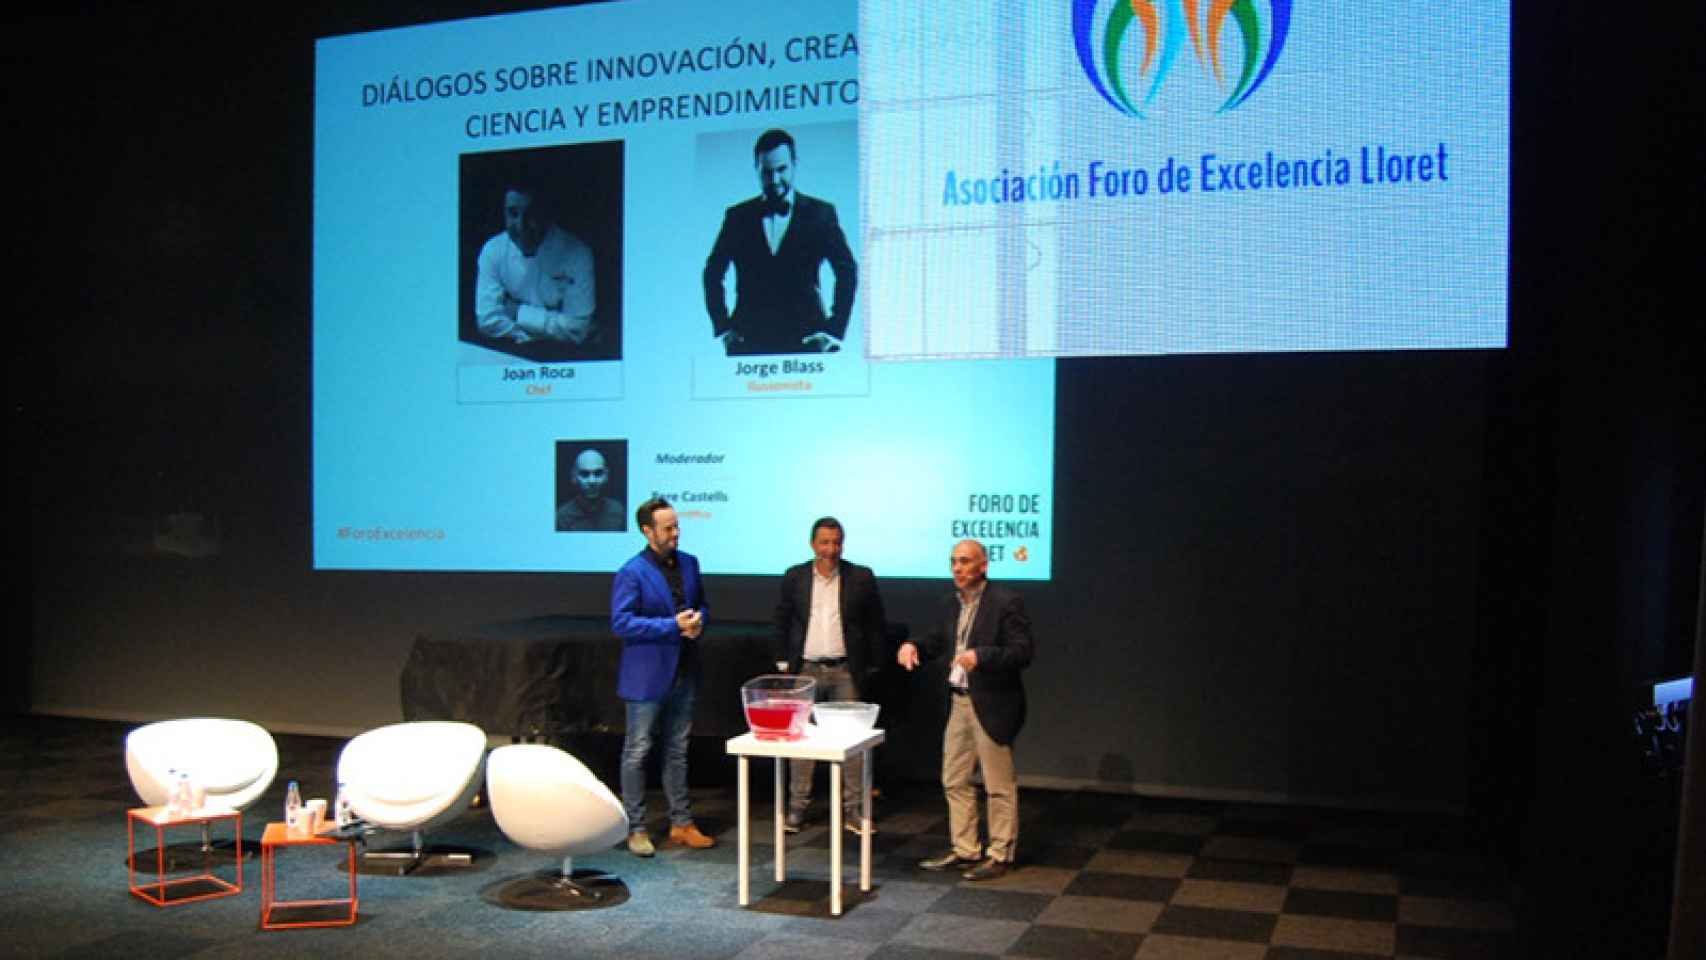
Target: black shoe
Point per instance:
(991, 869)
(947, 861)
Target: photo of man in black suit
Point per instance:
(777, 242)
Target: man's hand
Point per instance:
(691, 623)
(512, 310)
(575, 330)
(821, 342)
(907, 656)
(967, 661)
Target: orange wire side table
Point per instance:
(156, 891)
(278, 835)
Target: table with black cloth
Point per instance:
(555, 677)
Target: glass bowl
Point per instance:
(777, 704)
(846, 716)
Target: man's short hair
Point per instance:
(531, 187)
(770, 140)
(644, 514)
(829, 522)
(522, 181)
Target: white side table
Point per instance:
(818, 744)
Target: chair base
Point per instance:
(226, 851)
(550, 890)
(429, 861)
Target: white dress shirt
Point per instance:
(824, 637)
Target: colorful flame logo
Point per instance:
(1164, 26)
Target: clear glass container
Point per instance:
(845, 716)
(777, 705)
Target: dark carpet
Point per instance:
(1098, 876)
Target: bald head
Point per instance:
(591, 475)
(970, 565)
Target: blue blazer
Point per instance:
(642, 615)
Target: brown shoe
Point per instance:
(947, 861)
(689, 836)
(991, 869)
(640, 844)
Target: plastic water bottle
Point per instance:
(341, 809)
(175, 795)
(185, 790)
(293, 808)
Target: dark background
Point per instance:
(1433, 581)
(615, 462)
(581, 191)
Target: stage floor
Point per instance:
(1098, 876)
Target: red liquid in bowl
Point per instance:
(777, 719)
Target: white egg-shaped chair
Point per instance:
(411, 778)
(544, 799)
(234, 761)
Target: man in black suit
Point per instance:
(776, 242)
(988, 637)
(829, 626)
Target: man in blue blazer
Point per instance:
(776, 242)
(657, 608)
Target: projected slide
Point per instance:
(1085, 177)
(565, 261)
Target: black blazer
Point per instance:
(777, 301)
(1001, 635)
(862, 624)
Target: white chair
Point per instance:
(545, 799)
(234, 760)
(411, 778)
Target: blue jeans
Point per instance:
(674, 715)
